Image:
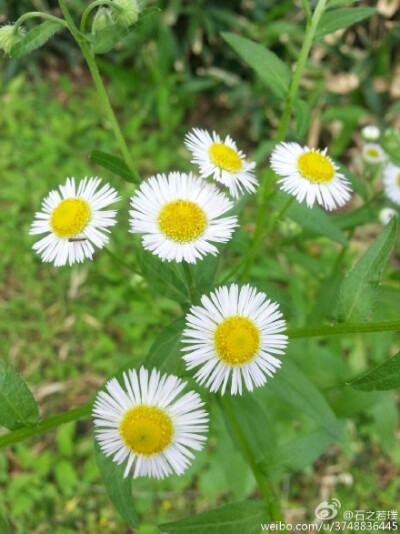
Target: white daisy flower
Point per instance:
(234, 334)
(147, 425)
(311, 175)
(74, 220)
(370, 133)
(222, 160)
(373, 153)
(391, 182)
(386, 215)
(179, 216)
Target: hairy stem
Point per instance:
(90, 8)
(40, 15)
(284, 124)
(98, 82)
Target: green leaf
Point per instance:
(17, 405)
(390, 142)
(204, 273)
(119, 489)
(293, 386)
(115, 165)
(160, 276)
(253, 420)
(35, 38)
(298, 453)
(385, 376)
(4, 526)
(332, 21)
(272, 71)
(359, 286)
(303, 117)
(243, 517)
(165, 352)
(313, 219)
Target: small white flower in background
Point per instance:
(310, 175)
(9, 37)
(149, 424)
(370, 133)
(386, 215)
(180, 216)
(233, 336)
(373, 153)
(222, 160)
(74, 220)
(125, 12)
(391, 182)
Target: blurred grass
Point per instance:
(68, 330)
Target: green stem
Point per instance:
(260, 235)
(90, 8)
(265, 490)
(118, 261)
(284, 122)
(189, 280)
(45, 425)
(98, 82)
(37, 14)
(346, 328)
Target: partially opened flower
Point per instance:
(373, 153)
(391, 182)
(309, 174)
(222, 160)
(233, 337)
(386, 215)
(74, 221)
(180, 217)
(149, 424)
(371, 133)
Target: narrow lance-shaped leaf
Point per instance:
(245, 517)
(385, 376)
(358, 289)
(115, 165)
(17, 405)
(35, 38)
(119, 489)
(337, 19)
(303, 117)
(272, 71)
(165, 352)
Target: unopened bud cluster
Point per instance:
(9, 37)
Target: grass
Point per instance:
(68, 330)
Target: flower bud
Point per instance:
(370, 133)
(126, 12)
(386, 215)
(9, 37)
(102, 20)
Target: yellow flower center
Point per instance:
(398, 179)
(225, 157)
(372, 152)
(182, 221)
(146, 430)
(237, 340)
(316, 167)
(70, 217)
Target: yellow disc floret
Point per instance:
(70, 217)
(372, 152)
(398, 179)
(182, 221)
(146, 430)
(225, 157)
(237, 340)
(316, 167)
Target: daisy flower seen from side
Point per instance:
(180, 216)
(234, 336)
(373, 153)
(74, 221)
(391, 182)
(370, 133)
(309, 174)
(222, 160)
(149, 423)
